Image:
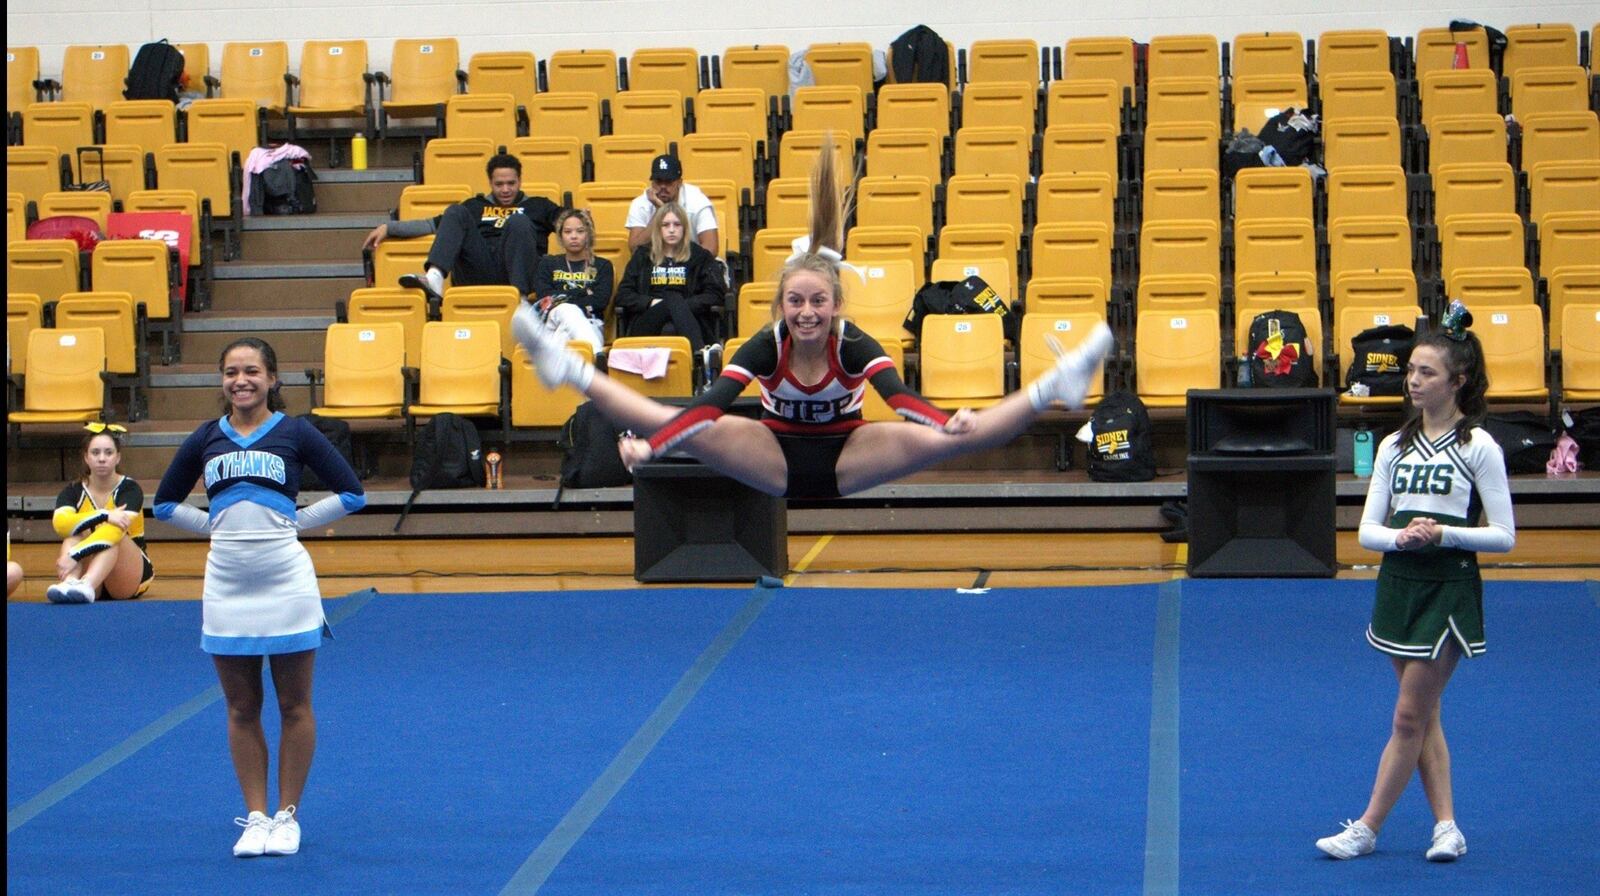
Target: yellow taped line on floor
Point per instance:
(806, 560)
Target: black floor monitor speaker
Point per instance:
(1261, 483)
(692, 524)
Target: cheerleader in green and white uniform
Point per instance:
(1438, 496)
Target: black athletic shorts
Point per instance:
(811, 462)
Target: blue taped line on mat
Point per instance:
(72, 781)
(1161, 815)
(538, 867)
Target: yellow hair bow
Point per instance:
(97, 427)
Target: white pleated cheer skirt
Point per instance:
(260, 598)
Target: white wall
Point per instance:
(709, 26)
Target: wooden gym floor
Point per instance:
(940, 560)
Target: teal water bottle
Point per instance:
(1363, 444)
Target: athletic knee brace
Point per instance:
(103, 537)
(69, 521)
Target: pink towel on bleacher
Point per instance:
(650, 363)
(261, 158)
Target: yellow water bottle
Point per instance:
(358, 152)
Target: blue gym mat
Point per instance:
(808, 741)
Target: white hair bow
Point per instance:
(802, 246)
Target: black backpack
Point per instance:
(970, 296)
(337, 433)
(1284, 362)
(284, 189)
(1525, 438)
(920, 55)
(1121, 450)
(1378, 358)
(589, 443)
(155, 74)
(1293, 133)
(448, 454)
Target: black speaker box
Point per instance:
(692, 524)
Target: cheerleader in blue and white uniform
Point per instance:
(260, 597)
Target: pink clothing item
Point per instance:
(261, 158)
(1563, 457)
(650, 363)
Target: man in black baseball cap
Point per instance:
(666, 185)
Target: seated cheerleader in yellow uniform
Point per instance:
(100, 519)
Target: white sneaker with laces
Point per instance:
(1068, 382)
(253, 842)
(71, 591)
(555, 363)
(1448, 843)
(1355, 840)
(284, 838)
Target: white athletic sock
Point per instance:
(1039, 391)
(435, 278)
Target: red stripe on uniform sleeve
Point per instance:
(682, 427)
(912, 407)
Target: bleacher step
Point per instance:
(245, 270)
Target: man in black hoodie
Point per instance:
(490, 239)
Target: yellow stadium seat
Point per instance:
(1556, 187)
(1272, 193)
(847, 64)
(962, 360)
(22, 69)
(178, 201)
(1173, 99)
(1436, 49)
(460, 373)
(1574, 285)
(1492, 286)
(914, 152)
(147, 124)
(679, 379)
(392, 305)
(457, 161)
(24, 314)
(558, 160)
(1513, 350)
(998, 150)
(1084, 101)
(362, 376)
(1366, 190)
(423, 73)
(146, 270)
(799, 151)
(1100, 57)
(648, 113)
(880, 298)
(664, 68)
(61, 127)
(16, 217)
(1480, 188)
(1539, 45)
(1182, 145)
(1034, 355)
(62, 380)
(1373, 289)
(1275, 246)
(46, 268)
(203, 168)
(1063, 197)
(1466, 139)
(1079, 149)
(1003, 104)
(1468, 91)
(91, 204)
(765, 68)
(1480, 241)
(1189, 248)
(1183, 56)
(1172, 292)
(1073, 249)
(607, 202)
(788, 203)
(726, 156)
(755, 307)
(872, 245)
(771, 250)
(496, 303)
(394, 258)
(736, 110)
(515, 72)
(33, 171)
(1257, 98)
(1369, 243)
(233, 123)
(1580, 353)
(481, 116)
(1268, 53)
(977, 242)
(914, 106)
(419, 201)
(1352, 51)
(565, 114)
(94, 74)
(1067, 295)
(582, 71)
(887, 200)
(1360, 141)
(1561, 88)
(1176, 195)
(115, 314)
(1568, 240)
(532, 404)
(839, 108)
(332, 84)
(1358, 95)
(1003, 60)
(1176, 351)
(985, 199)
(254, 71)
(1559, 137)
(620, 158)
